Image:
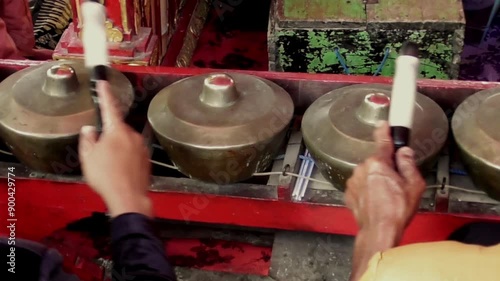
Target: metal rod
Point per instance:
(298, 182)
(308, 174)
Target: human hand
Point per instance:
(379, 196)
(116, 164)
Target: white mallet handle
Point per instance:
(94, 34)
(403, 96)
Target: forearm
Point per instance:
(128, 202)
(137, 253)
(369, 241)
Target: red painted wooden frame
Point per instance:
(44, 206)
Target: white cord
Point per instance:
(304, 177)
(256, 174)
(164, 165)
(327, 183)
(436, 186)
(293, 175)
(5, 152)
(154, 145)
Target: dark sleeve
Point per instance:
(137, 253)
(479, 233)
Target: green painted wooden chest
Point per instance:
(354, 37)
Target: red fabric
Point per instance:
(16, 29)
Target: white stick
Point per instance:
(404, 91)
(94, 34)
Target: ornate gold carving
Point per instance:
(124, 13)
(148, 13)
(194, 29)
(137, 14)
(155, 56)
(113, 61)
(79, 13)
(112, 34)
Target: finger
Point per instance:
(407, 166)
(350, 195)
(110, 111)
(350, 189)
(353, 184)
(383, 141)
(359, 173)
(88, 138)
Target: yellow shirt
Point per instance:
(440, 261)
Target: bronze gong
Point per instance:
(221, 127)
(338, 129)
(476, 129)
(42, 109)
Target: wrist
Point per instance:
(371, 240)
(385, 234)
(129, 203)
